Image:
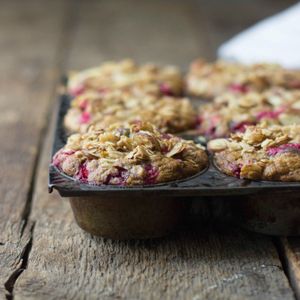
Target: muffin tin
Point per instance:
(154, 210)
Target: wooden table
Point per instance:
(43, 254)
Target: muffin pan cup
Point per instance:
(272, 213)
(154, 210)
(121, 217)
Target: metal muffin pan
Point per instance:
(153, 210)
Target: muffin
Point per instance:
(208, 80)
(127, 75)
(260, 153)
(132, 154)
(232, 112)
(167, 113)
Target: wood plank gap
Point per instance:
(64, 44)
(23, 263)
(288, 259)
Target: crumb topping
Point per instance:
(261, 152)
(169, 114)
(129, 155)
(127, 75)
(233, 113)
(212, 79)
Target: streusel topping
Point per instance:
(261, 152)
(128, 75)
(234, 112)
(169, 114)
(212, 79)
(129, 154)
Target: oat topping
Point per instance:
(231, 112)
(261, 152)
(129, 76)
(131, 154)
(208, 80)
(252, 122)
(169, 114)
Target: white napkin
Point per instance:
(275, 40)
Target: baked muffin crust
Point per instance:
(208, 80)
(233, 112)
(135, 154)
(169, 114)
(260, 153)
(127, 75)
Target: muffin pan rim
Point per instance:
(208, 182)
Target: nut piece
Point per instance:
(254, 137)
(217, 145)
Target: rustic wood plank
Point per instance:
(158, 31)
(290, 250)
(28, 44)
(67, 263)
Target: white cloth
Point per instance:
(275, 40)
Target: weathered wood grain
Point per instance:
(66, 263)
(158, 31)
(290, 250)
(28, 45)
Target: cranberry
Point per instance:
(151, 174)
(83, 173)
(236, 169)
(85, 117)
(241, 127)
(269, 114)
(239, 88)
(284, 148)
(56, 160)
(166, 89)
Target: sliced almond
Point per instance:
(179, 147)
(266, 143)
(217, 145)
